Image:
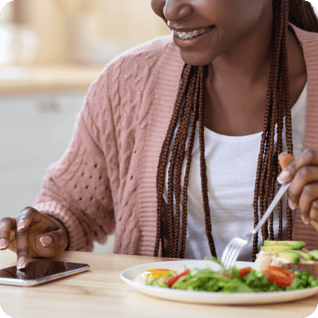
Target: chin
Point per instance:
(195, 59)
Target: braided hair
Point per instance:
(189, 109)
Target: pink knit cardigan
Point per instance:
(106, 181)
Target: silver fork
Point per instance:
(236, 245)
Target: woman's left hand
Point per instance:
(303, 190)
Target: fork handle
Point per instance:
(271, 207)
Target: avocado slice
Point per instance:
(305, 256)
(296, 245)
(291, 256)
(314, 253)
(276, 248)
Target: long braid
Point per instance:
(163, 158)
(265, 155)
(276, 170)
(269, 140)
(309, 12)
(204, 183)
(277, 116)
(174, 181)
(181, 141)
(189, 158)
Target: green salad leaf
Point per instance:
(229, 281)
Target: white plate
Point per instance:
(129, 274)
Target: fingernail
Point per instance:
(21, 274)
(46, 240)
(291, 204)
(283, 177)
(21, 225)
(304, 220)
(3, 243)
(21, 262)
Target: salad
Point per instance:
(230, 281)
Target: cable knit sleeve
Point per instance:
(76, 190)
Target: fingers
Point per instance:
(22, 236)
(307, 158)
(46, 240)
(38, 235)
(313, 213)
(27, 216)
(303, 186)
(32, 234)
(7, 225)
(308, 202)
(303, 190)
(53, 243)
(285, 159)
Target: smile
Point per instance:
(192, 34)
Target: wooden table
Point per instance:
(101, 293)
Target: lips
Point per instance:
(191, 34)
(193, 42)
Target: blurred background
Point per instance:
(50, 53)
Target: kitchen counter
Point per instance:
(101, 293)
(46, 79)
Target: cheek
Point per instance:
(232, 14)
(252, 11)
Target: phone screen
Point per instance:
(39, 272)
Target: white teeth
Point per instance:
(190, 35)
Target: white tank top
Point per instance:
(231, 170)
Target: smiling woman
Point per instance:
(249, 42)
(176, 146)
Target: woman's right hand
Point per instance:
(32, 234)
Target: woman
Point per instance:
(127, 170)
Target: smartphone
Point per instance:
(39, 272)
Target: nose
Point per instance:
(176, 10)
